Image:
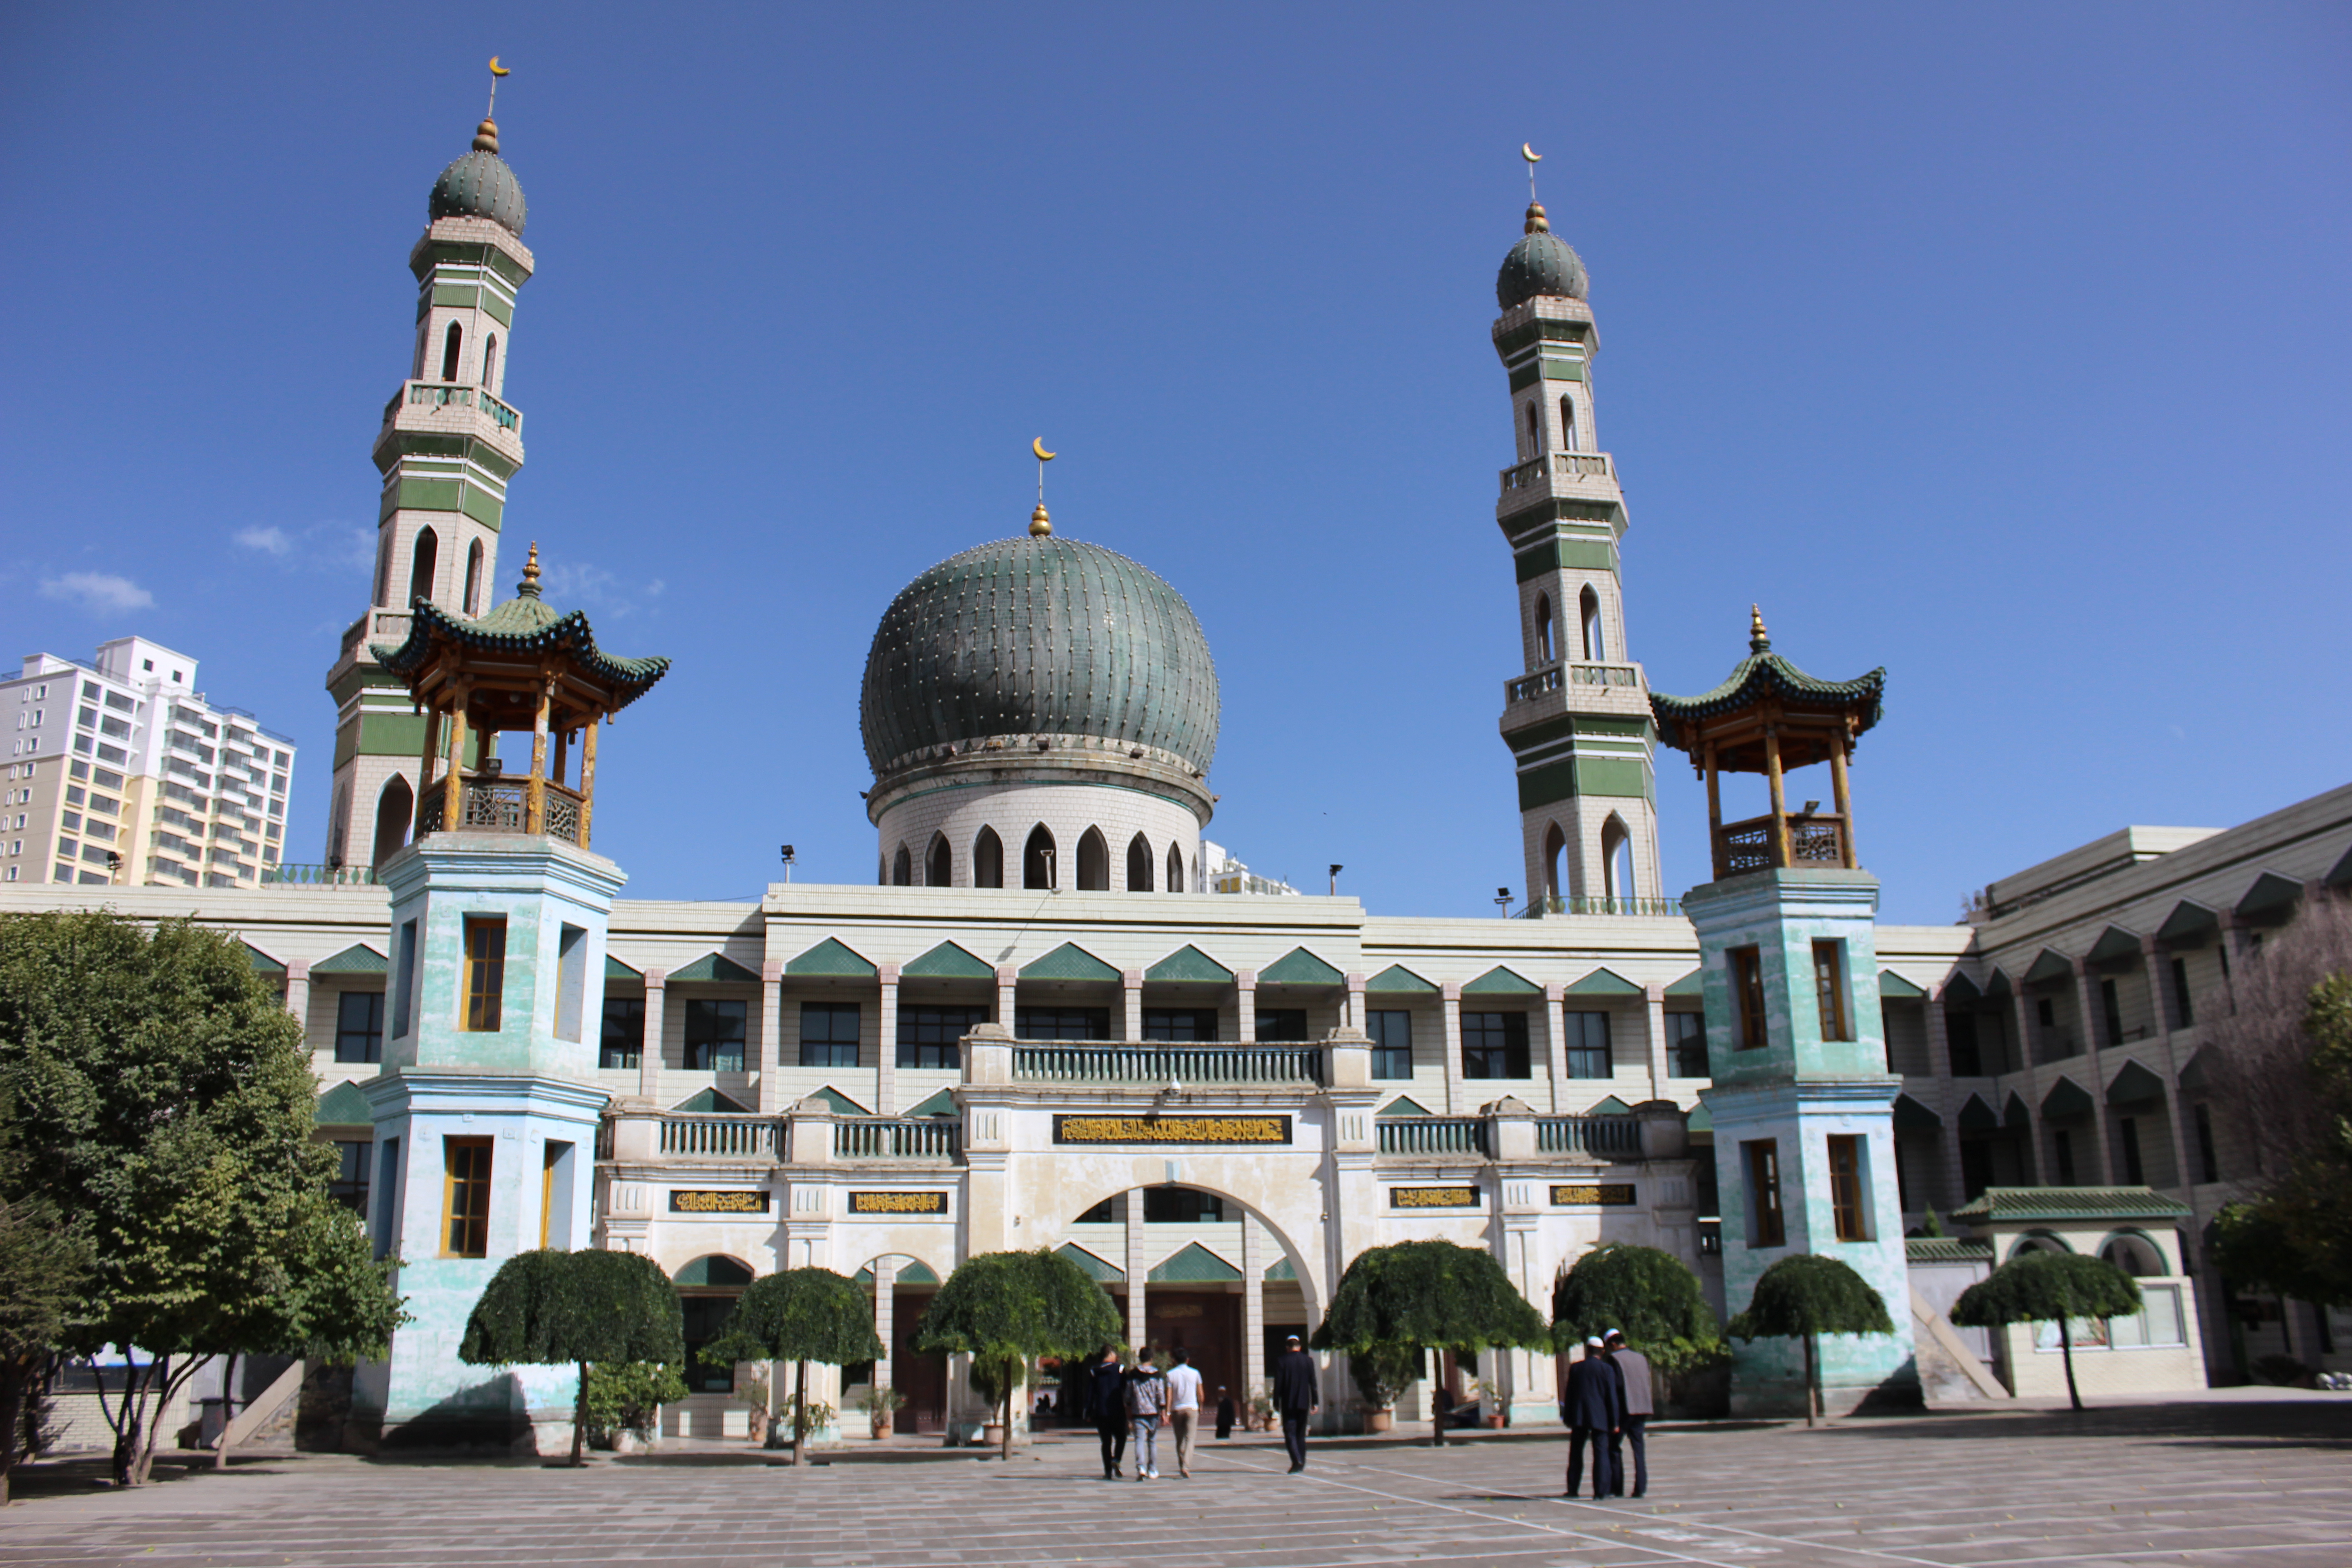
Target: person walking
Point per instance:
(1183, 1407)
(1146, 1408)
(1641, 1404)
(1296, 1396)
(1225, 1413)
(1107, 1408)
(1592, 1406)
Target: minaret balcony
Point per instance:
(375, 625)
(447, 408)
(1575, 686)
(1564, 473)
(496, 803)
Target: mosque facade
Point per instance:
(1038, 1028)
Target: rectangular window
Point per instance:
(1846, 1188)
(1587, 1046)
(1686, 1044)
(570, 984)
(1766, 1227)
(465, 1197)
(714, 1034)
(2208, 1166)
(621, 1042)
(1975, 1168)
(1391, 1035)
(829, 1034)
(928, 1036)
(1282, 1026)
(350, 1186)
(486, 971)
(1829, 989)
(1961, 1038)
(2184, 1007)
(555, 1196)
(387, 1190)
(1182, 1025)
(2128, 1131)
(359, 1027)
(1182, 1206)
(1493, 1045)
(2062, 1143)
(403, 979)
(1061, 1023)
(2111, 1005)
(1747, 995)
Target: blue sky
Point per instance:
(2001, 345)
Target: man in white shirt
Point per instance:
(1184, 1407)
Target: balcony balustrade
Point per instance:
(1602, 1137)
(1552, 466)
(1568, 673)
(934, 1137)
(1817, 840)
(445, 395)
(718, 1137)
(1600, 904)
(493, 803)
(1191, 1066)
(1454, 1135)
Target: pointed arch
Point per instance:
(394, 809)
(1587, 605)
(987, 860)
(1617, 857)
(474, 578)
(902, 869)
(1175, 869)
(451, 344)
(1037, 858)
(490, 362)
(1535, 428)
(1139, 864)
(1544, 651)
(1094, 862)
(1555, 856)
(938, 865)
(1566, 423)
(424, 564)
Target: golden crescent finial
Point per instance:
(497, 70)
(1527, 150)
(1038, 447)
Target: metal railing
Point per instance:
(1601, 1136)
(1571, 672)
(897, 1138)
(719, 1137)
(1556, 465)
(1188, 1065)
(1432, 1134)
(287, 874)
(1599, 904)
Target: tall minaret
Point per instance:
(447, 447)
(1578, 722)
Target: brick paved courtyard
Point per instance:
(2227, 1481)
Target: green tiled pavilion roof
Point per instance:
(1097, 1269)
(1396, 979)
(710, 1102)
(2072, 1203)
(1282, 1269)
(262, 962)
(343, 1106)
(524, 624)
(615, 970)
(941, 1104)
(1763, 674)
(356, 959)
(1691, 984)
(1604, 982)
(1945, 1249)
(1893, 987)
(1501, 982)
(1401, 1106)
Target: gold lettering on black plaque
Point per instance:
(1432, 1197)
(1594, 1193)
(1171, 1129)
(718, 1203)
(898, 1203)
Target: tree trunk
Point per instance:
(580, 1419)
(1004, 1440)
(800, 1412)
(15, 1379)
(2066, 1350)
(229, 1411)
(1812, 1382)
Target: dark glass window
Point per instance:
(1101, 1214)
(1282, 1026)
(1687, 1039)
(2210, 1166)
(1960, 1036)
(1181, 1026)
(2062, 1142)
(623, 1042)
(1587, 1046)
(1747, 995)
(2182, 1002)
(1769, 1229)
(714, 1034)
(928, 1036)
(1493, 1045)
(828, 1034)
(2135, 1174)
(1061, 1023)
(1391, 1033)
(1182, 1206)
(350, 1186)
(359, 1027)
(2111, 1005)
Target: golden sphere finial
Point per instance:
(1040, 525)
(1536, 222)
(1759, 639)
(528, 586)
(486, 136)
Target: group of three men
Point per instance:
(1607, 1402)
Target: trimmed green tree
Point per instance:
(1412, 1296)
(1005, 1310)
(2044, 1287)
(164, 1098)
(553, 1308)
(46, 1261)
(1650, 1296)
(2294, 1049)
(1804, 1297)
(800, 1316)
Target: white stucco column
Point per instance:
(886, 1045)
(298, 997)
(649, 1056)
(2154, 959)
(2095, 1034)
(1450, 999)
(1130, 985)
(1950, 1099)
(1254, 1268)
(1007, 977)
(771, 1015)
(1136, 1268)
(1653, 1029)
(1246, 1003)
(886, 1317)
(1355, 1017)
(1554, 1046)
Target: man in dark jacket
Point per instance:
(1295, 1395)
(1592, 1408)
(1641, 1404)
(1107, 1408)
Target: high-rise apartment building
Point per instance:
(120, 771)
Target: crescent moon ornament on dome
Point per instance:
(497, 70)
(1527, 150)
(1038, 445)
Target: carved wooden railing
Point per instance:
(495, 803)
(1815, 840)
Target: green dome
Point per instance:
(1540, 264)
(480, 185)
(1038, 636)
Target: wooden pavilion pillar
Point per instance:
(587, 776)
(453, 797)
(1839, 747)
(1714, 810)
(534, 811)
(1780, 795)
(418, 827)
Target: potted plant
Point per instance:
(752, 1391)
(1261, 1410)
(880, 1401)
(1380, 1374)
(1490, 1393)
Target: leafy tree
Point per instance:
(2290, 1049)
(624, 1394)
(1415, 1296)
(1804, 1296)
(1382, 1372)
(1005, 1310)
(800, 1316)
(2042, 1287)
(549, 1307)
(164, 1098)
(1652, 1296)
(44, 1266)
